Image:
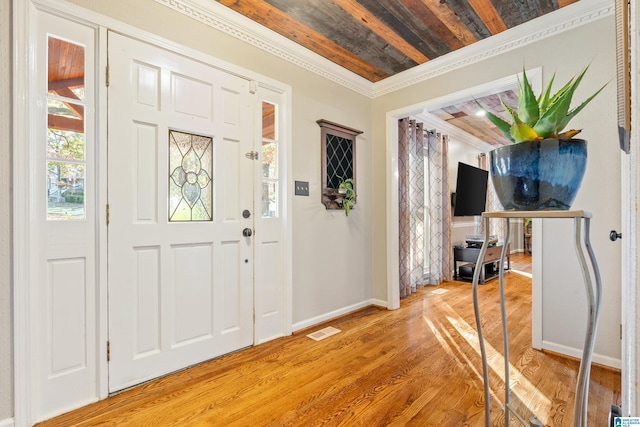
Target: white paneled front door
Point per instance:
(180, 270)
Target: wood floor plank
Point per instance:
(416, 366)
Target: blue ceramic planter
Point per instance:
(539, 175)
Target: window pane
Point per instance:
(339, 160)
(190, 177)
(269, 199)
(269, 121)
(65, 185)
(65, 69)
(65, 145)
(270, 160)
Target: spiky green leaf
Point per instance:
(579, 108)
(528, 110)
(554, 119)
(502, 125)
(545, 97)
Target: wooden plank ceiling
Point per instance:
(464, 116)
(377, 39)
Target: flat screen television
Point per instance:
(471, 191)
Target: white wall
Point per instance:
(6, 325)
(567, 53)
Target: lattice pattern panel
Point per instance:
(339, 160)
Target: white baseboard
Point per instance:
(576, 353)
(337, 313)
(379, 303)
(7, 422)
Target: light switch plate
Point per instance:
(302, 188)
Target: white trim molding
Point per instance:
(631, 263)
(337, 313)
(228, 21)
(23, 74)
(576, 353)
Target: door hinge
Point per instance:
(253, 86)
(108, 351)
(620, 330)
(252, 155)
(108, 75)
(108, 214)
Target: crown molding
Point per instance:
(226, 20)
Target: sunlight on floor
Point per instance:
(522, 273)
(521, 388)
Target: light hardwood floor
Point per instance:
(418, 365)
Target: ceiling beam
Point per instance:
(65, 123)
(68, 83)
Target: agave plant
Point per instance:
(543, 117)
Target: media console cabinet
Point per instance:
(469, 256)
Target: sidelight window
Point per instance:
(270, 181)
(66, 161)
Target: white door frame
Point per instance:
(392, 117)
(630, 175)
(23, 102)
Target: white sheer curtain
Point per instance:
(440, 255)
(424, 207)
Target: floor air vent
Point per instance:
(324, 333)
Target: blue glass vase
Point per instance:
(538, 175)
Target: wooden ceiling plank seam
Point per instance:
(470, 18)
(286, 26)
(380, 28)
(492, 17)
(64, 60)
(53, 53)
(330, 20)
(77, 64)
(433, 23)
(531, 9)
(516, 12)
(441, 114)
(449, 18)
(396, 16)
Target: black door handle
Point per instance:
(247, 232)
(614, 235)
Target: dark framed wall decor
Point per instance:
(338, 156)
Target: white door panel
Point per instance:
(271, 301)
(64, 318)
(180, 292)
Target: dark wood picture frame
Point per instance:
(334, 133)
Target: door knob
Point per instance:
(247, 232)
(614, 235)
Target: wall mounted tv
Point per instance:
(471, 191)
